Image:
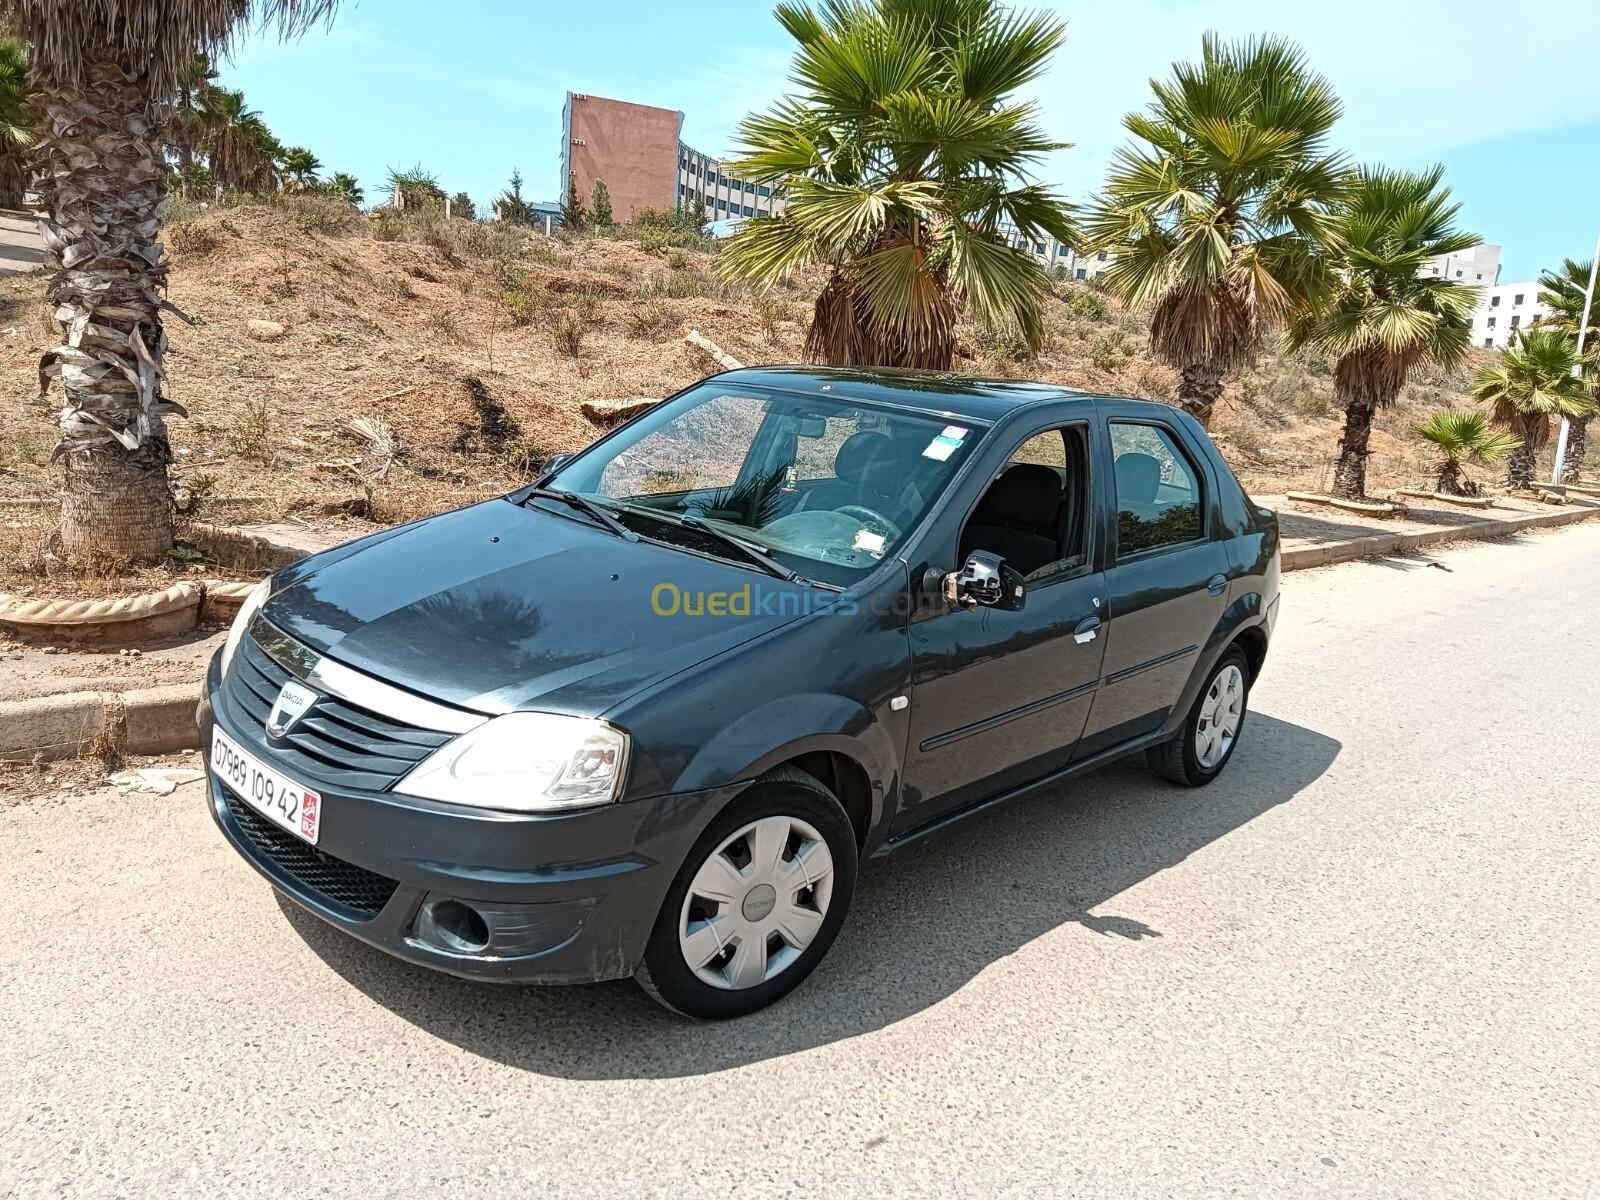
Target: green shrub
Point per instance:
(1087, 306)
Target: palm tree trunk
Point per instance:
(1519, 468)
(1577, 447)
(13, 176)
(1199, 389)
(104, 183)
(1449, 483)
(1350, 471)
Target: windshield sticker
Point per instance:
(869, 541)
(957, 432)
(942, 447)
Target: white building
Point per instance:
(1503, 309)
(1479, 266)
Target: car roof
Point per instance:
(970, 396)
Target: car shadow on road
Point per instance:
(924, 923)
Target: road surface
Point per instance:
(1363, 964)
(20, 248)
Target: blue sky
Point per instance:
(475, 89)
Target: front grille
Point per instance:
(332, 878)
(335, 743)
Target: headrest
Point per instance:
(1027, 494)
(1138, 477)
(862, 454)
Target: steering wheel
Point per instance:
(872, 518)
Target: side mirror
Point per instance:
(986, 579)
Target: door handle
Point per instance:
(1086, 630)
(1217, 584)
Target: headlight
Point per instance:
(252, 605)
(525, 762)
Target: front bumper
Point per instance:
(558, 898)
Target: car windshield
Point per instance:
(827, 487)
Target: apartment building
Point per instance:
(1504, 309)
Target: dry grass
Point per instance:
(389, 318)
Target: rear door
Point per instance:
(1166, 578)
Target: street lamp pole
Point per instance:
(1583, 329)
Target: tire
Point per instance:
(756, 940)
(1191, 756)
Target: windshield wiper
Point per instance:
(586, 506)
(756, 554)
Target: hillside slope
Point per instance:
(467, 350)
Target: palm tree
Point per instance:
(240, 147)
(300, 168)
(187, 128)
(1533, 381)
(16, 122)
(1218, 218)
(1463, 438)
(343, 186)
(1562, 293)
(105, 73)
(1382, 319)
(905, 164)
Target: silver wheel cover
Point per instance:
(756, 903)
(1221, 714)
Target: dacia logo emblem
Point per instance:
(293, 702)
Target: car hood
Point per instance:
(499, 607)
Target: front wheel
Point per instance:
(1204, 743)
(757, 902)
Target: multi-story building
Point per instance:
(702, 180)
(1503, 309)
(633, 147)
(1479, 266)
(637, 150)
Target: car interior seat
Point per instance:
(1018, 518)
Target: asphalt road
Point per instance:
(1363, 964)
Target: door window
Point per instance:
(1158, 489)
(1032, 514)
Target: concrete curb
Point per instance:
(1374, 546)
(154, 720)
(161, 720)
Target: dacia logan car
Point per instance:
(650, 714)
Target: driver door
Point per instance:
(998, 698)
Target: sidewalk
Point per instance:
(57, 703)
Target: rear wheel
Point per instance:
(1204, 743)
(757, 902)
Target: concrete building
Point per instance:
(1479, 266)
(637, 150)
(1504, 309)
(702, 180)
(633, 147)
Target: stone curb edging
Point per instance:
(161, 720)
(153, 720)
(1300, 557)
(125, 619)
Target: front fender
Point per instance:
(775, 732)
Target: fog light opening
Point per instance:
(459, 927)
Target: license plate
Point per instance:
(276, 797)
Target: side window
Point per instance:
(1033, 513)
(1158, 491)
